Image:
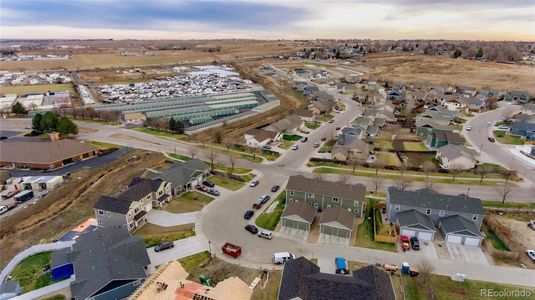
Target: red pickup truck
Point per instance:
(231, 249)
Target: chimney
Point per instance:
(54, 136)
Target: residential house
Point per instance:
(437, 139)
(321, 74)
(466, 91)
(302, 279)
(337, 221)
(525, 129)
(310, 89)
(454, 104)
(317, 108)
(260, 137)
(129, 209)
(418, 213)
(348, 135)
(517, 96)
(352, 150)
(305, 114)
(457, 157)
(474, 104)
(108, 263)
(300, 85)
(301, 72)
(289, 125)
(342, 87)
(185, 175)
(297, 215)
(425, 127)
(324, 194)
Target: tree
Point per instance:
(377, 183)
(454, 171)
(505, 191)
(212, 156)
(179, 127)
(378, 164)
(429, 184)
(402, 183)
(507, 174)
(428, 166)
(481, 172)
(479, 53)
(65, 127)
(49, 122)
(354, 164)
(218, 136)
(491, 103)
(425, 270)
(232, 160)
(18, 109)
(172, 125)
(36, 122)
(507, 113)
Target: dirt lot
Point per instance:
(524, 235)
(70, 204)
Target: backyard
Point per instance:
(365, 236)
(152, 234)
(29, 272)
(270, 220)
(496, 242)
(188, 202)
(504, 138)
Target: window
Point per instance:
(316, 205)
(311, 195)
(398, 207)
(474, 217)
(428, 211)
(100, 212)
(99, 221)
(356, 203)
(292, 193)
(349, 209)
(291, 199)
(441, 213)
(356, 211)
(335, 199)
(160, 193)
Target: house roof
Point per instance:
(302, 209)
(528, 126)
(426, 198)
(253, 131)
(338, 214)
(9, 287)
(303, 113)
(414, 217)
(320, 106)
(104, 255)
(265, 135)
(181, 173)
(422, 122)
(112, 204)
(139, 188)
(289, 123)
(450, 137)
(328, 188)
(302, 279)
(42, 152)
(460, 225)
(451, 152)
(60, 258)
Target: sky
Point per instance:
(268, 19)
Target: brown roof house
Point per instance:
(337, 222)
(305, 114)
(46, 154)
(317, 107)
(288, 125)
(259, 137)
(356, 149)
(297, 218)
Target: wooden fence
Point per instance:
(503, 235)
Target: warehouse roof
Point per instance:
(42, 152)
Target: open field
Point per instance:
(38, 88)
(226, 182)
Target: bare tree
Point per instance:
(491, 103)
(482, 172)
(320, 176)
(193, 152)
(507, 113)
(212, 156)
(454, 171)
(377, 165)
(253, 151)
(232, 160)
(402, 167)
(425, 270)
(344, 178)
(402, 183)
(428, 166)
(429, 184)
(507, 174)
(377, 182)
(218, 136)
(354, 164)
(505, 191)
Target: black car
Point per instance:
(164, 246)
(251, 228)
(208, 183)
(337, 128)
(275, 188)
(248, 214)
(491, 139)
(415, 243)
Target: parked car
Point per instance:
(254, 183)
(248, 214)
(405, 244)
(251, 228)
(531, 254)
(316, 145)
(257, 204)
(323, 139)
(415, 243)
(213, 192)
(489, 124)
(337, 128)
(3, 209)
(265, 234)
(282, 257)
(164, 246)
(491, 139)
(303, 140)
(201, 188)
(275, 188)
(208, 183)
(468, 128)
(266, 147)
(503, 127)
(531, 224)
(264, 199)
(331, 120)
(295, 147)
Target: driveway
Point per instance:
(327, 265)
(427, 249)
(469, 254)
(332, 239)
(167, 219)
(184, 247)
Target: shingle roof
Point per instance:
(112, 204)
(60, 258)
(338, 214)
(42, 152)
(414, 217)
(301, 209)
(458, 224)
(528, 126)
(140, 188)
(451, 151)
(302, 278)
(180, 173)
(433, 200)
(104, 255)
(328, 188)
(10, 286)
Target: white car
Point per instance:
(468, 128)
(3, 209)
(531, 254)
(265, 234)
(295, 147)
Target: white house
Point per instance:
(457, 157)
(259, 137)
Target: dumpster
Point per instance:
(231, 249)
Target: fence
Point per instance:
(504, 236)
(500, 253)
(379, 237)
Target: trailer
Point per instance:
(23, 196)
(231, 249)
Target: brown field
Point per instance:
(38, 88)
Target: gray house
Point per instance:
(129, 209)
(337, 221)
(324, 194)
(418, 213)
(10, 289)
(108, 264)
(298, 216)
(186, 175)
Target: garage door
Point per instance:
(302, 226)
(425, 236)
(407, 232)
(327, 230)
(455, 239)
(472, 241)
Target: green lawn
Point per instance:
(188, 202)
(104, 145)
(504, 138)
(111, 123)
(285, 144)
(387, 158)
(324, 118)
(414, 146)
(193, 261)
(312, 126)
(496, 242)
(270, 220)
(154, 239)
(291, 137)
(56, 297)
(270, 155)
(383, 144)
(492, 203)
(161, 133)
(179, 156)
(226, 182)
(29, 272)
(365, 235)
(445, 288)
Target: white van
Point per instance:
(265, 234)
(282, 257)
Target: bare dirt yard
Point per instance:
(70, 204)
